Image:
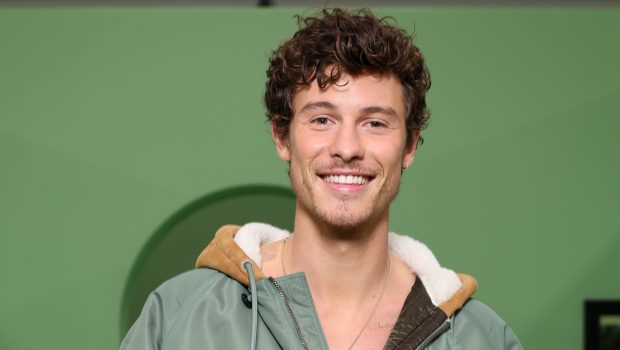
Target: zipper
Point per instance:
(300, 336)
(444, 327)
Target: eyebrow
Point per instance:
(389, 111)
(319, 104)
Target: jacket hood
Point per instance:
(234, 245)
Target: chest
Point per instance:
(361, 326)
(367, 335)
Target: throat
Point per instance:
(347, 322)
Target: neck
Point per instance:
(340, 266)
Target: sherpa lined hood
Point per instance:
(234, 245)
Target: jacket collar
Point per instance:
(234, 245)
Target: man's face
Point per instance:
(346, 148)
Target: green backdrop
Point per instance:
(111, 120)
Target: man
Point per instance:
(346, 100)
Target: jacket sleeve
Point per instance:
(162, 308)
(146, 332)
(477, 326)
(511, 342)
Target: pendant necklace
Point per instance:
(374, 309)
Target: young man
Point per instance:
(346, 99)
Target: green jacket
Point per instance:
(210, 308)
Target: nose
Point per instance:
(347, 144)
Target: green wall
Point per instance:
(113, 119)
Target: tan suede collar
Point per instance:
(456, 301)
(223, 254)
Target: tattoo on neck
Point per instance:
(381, 325)
(268, 253)
(268, 256)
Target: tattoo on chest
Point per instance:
(380, 325)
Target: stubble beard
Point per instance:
(344, 220)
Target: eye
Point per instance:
(320, 121)
(377, 124)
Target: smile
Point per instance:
(346, 179)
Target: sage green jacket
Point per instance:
(209, 308)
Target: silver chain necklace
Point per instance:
(374, 309)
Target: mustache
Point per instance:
(354, 166)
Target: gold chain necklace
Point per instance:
(374, 309)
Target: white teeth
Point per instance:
(346, 179)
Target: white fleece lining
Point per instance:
(252, 235)
(440, 282)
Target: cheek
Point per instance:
(308, 148)
(390, 154)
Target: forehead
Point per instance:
(354, 92)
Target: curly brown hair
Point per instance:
(355, 42)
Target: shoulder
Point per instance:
(193, 284)
(185, 291)
(187, 282)
(481, 315)
(166, 305)
(477, 326)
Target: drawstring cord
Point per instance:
(248, 267)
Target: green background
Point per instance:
(111, 120)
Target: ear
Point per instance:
(283, 147)
(409, 152)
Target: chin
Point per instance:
(345, 221)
